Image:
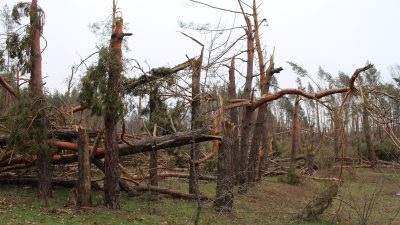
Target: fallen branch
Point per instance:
(299, 157)
(31, 180)
(394, 164)
(61, 134)
(168, 174)
(171, 192)
(274, 173)
(146, 145)
(8, 87)
(322, 178)
(290, 91)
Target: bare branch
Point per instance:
(218, 8)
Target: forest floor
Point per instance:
(371, 193)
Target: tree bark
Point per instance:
(259, 126)
(248, 111)
(224, 191)
(367, 133)
(84, 183)
(111, 188)
(195, 123)
(234, 121)
(37, 95)
(310, 154)
(153, 154)
(167, 141)
(296, 131)
(336, 132)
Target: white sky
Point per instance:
(336, 34)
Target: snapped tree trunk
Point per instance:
(195, 123)
(111, 159)
(224, 193)
(37, 95)
(259, 128)
(248, 111)
(84, 183)
(153, 153)
(234, 121)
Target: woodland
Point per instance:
(212, 140)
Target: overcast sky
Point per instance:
(339, 35)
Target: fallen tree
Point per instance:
(67, 134)
(31, 180)
(162, 142)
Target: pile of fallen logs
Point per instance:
(64, 143)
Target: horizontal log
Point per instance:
(162, 142)
(290, 91)
(176, 175)
(31, 180)
(299, 157)
(67, 134)
(171, 192)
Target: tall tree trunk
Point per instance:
(295, 132)
(248, 111)
(234, 121)
(153, 154)
(111, 159)
(84, 183)
(195, 123)
(36, 87)
(259, 126)
(367, 133)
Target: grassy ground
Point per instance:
(271, 202)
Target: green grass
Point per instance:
(270, 202)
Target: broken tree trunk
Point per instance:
(320, 203)
(168, 174)
(167, 141)
(122, 183)
(234, 121)
(153, 153)
(84, 187)
(111, 159)
(67, 134)
(8, 87)
(259, 126)
(72, 183)
(247, 111)
(196, 122)
(224, 190)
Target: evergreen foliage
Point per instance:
(25, 130)
(94, 87)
